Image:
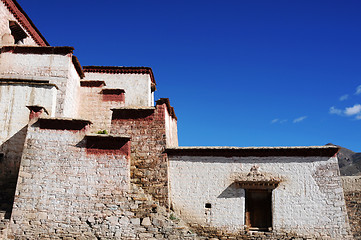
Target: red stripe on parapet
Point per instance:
(38, 50)
(119, 70)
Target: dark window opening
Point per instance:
(259, 209)
(208, 205)
(18, 33)
(2, 157)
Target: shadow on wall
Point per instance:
(232, 191)
(11, 151)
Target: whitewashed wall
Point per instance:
(171, 130)
(55, 68)
(13, 101)
(137, 86)
(72, 92)
(309, 201)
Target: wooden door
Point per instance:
(259, 209)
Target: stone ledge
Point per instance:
(104, 141)
(132, 112)
(92, 83)
(115, 91)
(37, 108)
(27, 82)
(63, 123)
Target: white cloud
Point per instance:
(356, 109)
(358, 90)
(336, 111)
(343, 97)
(277, 120)
(274, 120)
(300, 119)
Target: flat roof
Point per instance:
(324, 151)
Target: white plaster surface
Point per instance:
(34, 66)
(72, 93)
(301, 204)
(137, 86)
(13, 101)
(55, 68)
(171, 130)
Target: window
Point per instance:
(17, 32)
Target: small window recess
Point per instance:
(17, 32)
(208, 212)
(2, 156)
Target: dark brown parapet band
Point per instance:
(256, 151)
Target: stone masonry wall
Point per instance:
(308, 202)
(13, 124)
(146, 127)
(62, 184)
(96, 106)
(352, 191)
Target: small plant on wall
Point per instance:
(102, 132)
(173, 217)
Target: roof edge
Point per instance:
(301, 151)
(120, 70)
(18, 12)
(21, 49)
(78, 67)
(169, 107)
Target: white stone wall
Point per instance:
(171, 130)
(34, 66)
(72, 93)
(55, 68)
(137, 86)
(5, 17)
(13, 101)
(61, 184)
(309, 200)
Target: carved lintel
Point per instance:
(256, 179)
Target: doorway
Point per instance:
(259, 209)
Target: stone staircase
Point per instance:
(152, 221)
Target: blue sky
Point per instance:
(239, 73)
